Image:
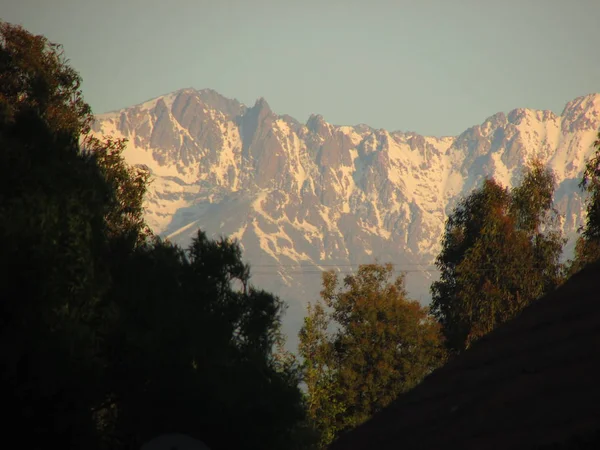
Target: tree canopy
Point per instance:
(203, 347)
(363, 344)
(587, 248)
(109, 335)
(500, 251)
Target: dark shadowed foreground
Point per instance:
(174, 442)
(532, 383)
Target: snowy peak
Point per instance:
(585, 102)
(299, 196)
(212, 99)
(201, 136)
(582, 114)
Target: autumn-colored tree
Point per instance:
(37, 82)
(500, 252)
(363, 345)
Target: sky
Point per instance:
(435, 67)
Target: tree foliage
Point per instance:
(203, 347)
(363, 345)
(500, 251)
(52, 202)
(110, 336)
(587, 248)
(127, 185)
(37, 82)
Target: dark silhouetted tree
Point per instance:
(202, 340)
(53, 200)
(108, 335)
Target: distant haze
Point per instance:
(434, 67)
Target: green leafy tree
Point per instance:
(325, 406)
(363, 346)
(587, 248)
(537, 219)
(500, 251)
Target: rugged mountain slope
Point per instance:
(306, 197)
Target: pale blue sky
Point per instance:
(431, 66)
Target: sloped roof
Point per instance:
(531, 383)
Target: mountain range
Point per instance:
(306, 197)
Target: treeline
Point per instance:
(110, 336)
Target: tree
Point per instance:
(127, 185)
(38, 82)
(202, 340)
(109, 335)
(383, 345)
(536, 218)
(325, 405)
(587, 248)
(500, 251)
(52, 206)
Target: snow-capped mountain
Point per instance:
(302, 198)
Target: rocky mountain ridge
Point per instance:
(302, 198)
